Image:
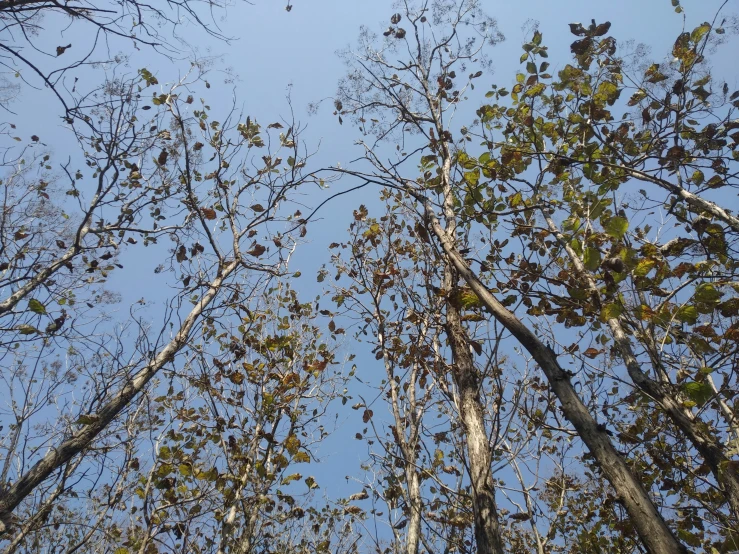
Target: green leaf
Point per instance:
(36, 306)
(687, 314)
(707, 294)
(611, 311)
(290, 478)
(301, 457)
(25, 329)
(472, 177)
(700, 393)
(311, 482)
(591, 259)
(617, 227)
(644, 267)
(699, 32)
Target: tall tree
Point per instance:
(164, 176)
(403, 92)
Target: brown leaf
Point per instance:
(577, 29)
(602, 29)
(181, 253)
(208, 213)
(579, 47)
(61, 49)
(257, 251)
(367, 415)
(163, 155)
(591, 353)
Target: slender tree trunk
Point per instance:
(487, 526)
(413, 536)
(648, 522)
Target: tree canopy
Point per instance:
(524, 337)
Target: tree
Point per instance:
(407, 95)
(218, 208)
(642, 288)
(375, 86)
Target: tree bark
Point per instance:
(648, 522)
(487, 526)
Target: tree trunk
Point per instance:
(413, 535)
(487, 526)
(648, 522)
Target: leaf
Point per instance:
(602, 29)
(687, 314)
(61, 49)
(706, 293)
(577, 29)
(257, 251)
(472, 177)
(617, 227)
(367, 415)
(611, 311)
(311, 482)
(181, 254)
(292, 444)
(591, 259)
(700, 393)
(579, 47)
(699, 32)
(637, 97)
(257, 208)
(290, 478)
(236, 377)
(644, 267)
(87, 419)
(36, 307)
(301, 458)
(208, 213)
(592, 353)
(25, 329)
